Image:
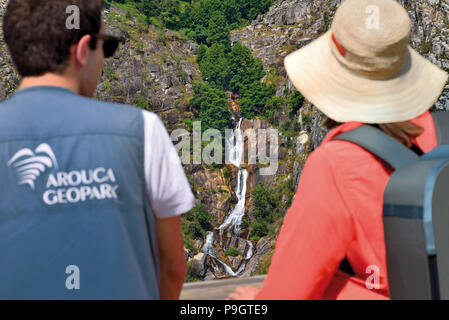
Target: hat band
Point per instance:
(340, 48)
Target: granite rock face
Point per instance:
(153, 69)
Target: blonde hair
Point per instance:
(403, 132)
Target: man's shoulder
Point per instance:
(113, 107)
(79, 114)
(149, 117)
(58, 97)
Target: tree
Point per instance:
(151, 8)
(252, 8)
(218, 31)
(244, 69)
(259, 228)
(212, 105)
(254, 99)
(295, 102)
(170, 11)
(232, 10)
(202, 50)
(203, 216)
(196, 222)
(214, 65)
(265, 202)
(273, 108)
(167, 10)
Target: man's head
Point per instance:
(40, 43)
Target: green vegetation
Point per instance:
(233, 70)
(212, 104)
(141, 101)
(206, 21)
(259, 229)
(306, 119)
(214, 65)
(264, 264)
(265, 202)
(110, 72)
(266, 205)
(191, 275)
(209, 22)
(233, 252)
(244, 69)
(295, 101)
(131, 7)
(239, 71)
(254, 99)
(194, 225)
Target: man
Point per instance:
(91, 192)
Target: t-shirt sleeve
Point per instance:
(167, 185)
(314, 238)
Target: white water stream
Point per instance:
(233, 221)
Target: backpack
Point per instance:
(415, 211)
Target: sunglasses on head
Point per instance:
(110, 43)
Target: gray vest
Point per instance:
(75, 219)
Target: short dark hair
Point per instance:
(36, 33)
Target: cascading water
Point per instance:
(233, 221)
(208, 247)
(235, 145)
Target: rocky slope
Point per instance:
(8, 77)
(154, 69)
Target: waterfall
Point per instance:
(237, 148)
(235, 145)
(234, 219)
(250, 252)
(208, 247)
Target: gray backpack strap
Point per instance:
(441, 120)
(380, 144)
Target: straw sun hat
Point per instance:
(364, 69)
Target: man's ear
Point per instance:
(81, 51)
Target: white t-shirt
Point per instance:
(167, 185)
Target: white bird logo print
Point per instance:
(29, 165)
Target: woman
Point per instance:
(361, 71)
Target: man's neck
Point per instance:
(50, 79)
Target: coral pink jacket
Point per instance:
(337, 213)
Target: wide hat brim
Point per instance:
(344, 95)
